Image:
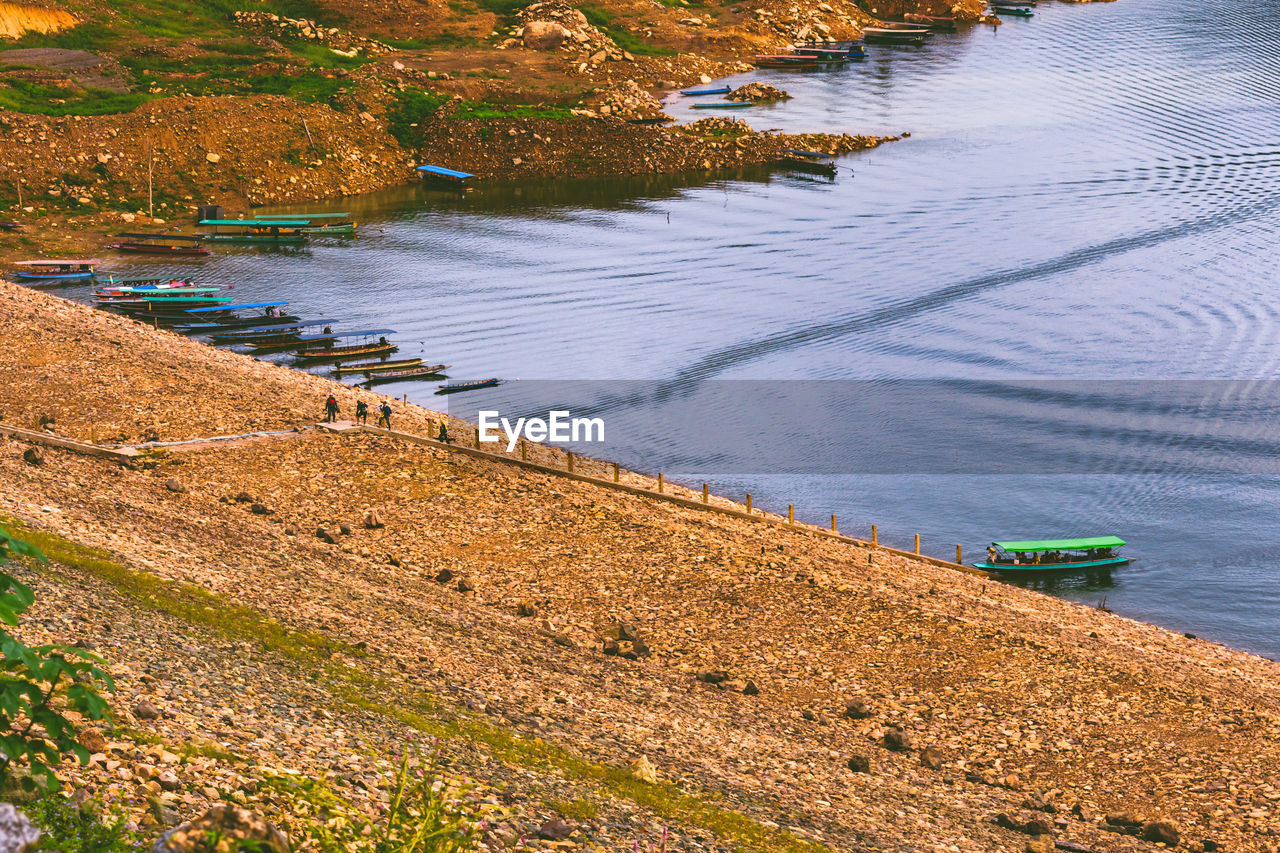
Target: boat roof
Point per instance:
(47, 263)
(132, 236)
(445, 173)
(238, 307)
(329, 337)
(366, 332)
(248, 223)
(1061, 544)
(304, 216)
(276, 327)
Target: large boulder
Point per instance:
(16, 832)
(544, 35)
(240, 828)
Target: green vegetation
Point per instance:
(624, 39)
(71, 828)
(22, 96)
(415, 107)
(36, 683)
(360, 689)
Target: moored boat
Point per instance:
(814, 162)
(455, 387)
(887, 35)
(52, 270)
(718, 90)
(726, 105)
(410, 373)
(383, 347)
(1012, 11)
(937, 23)
(447, 177)
(1038, 556)
(271, 231)
(159, 244)
(375, 366)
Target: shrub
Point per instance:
(35, 684)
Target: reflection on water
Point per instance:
(1090, 193)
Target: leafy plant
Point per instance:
(628, 41)
(70, 828)
(424, 814)
(35, 684)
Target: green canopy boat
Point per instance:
(274, 231)
(1034, 556)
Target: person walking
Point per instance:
(330, 410)
(444, 435)
(362, 411)
(384, 412)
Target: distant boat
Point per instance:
(468, 386)
(410, 373)
(937, 23)
(726, 105)
(1014, 11)
(814, 162)
(1040, 556)
(887, 35)
(720, 90)
(45, 270)
(376, 366)
(159, 244)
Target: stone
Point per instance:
(611, 647)
(809, 715)
(260, 509)
(526, 608)
(931, 757)
(897, 740)
(859, 764)
(92, 740)
(1123, 819)
(16, 832)
(144, 710)
(751, 689)
(642, 768)
(713, 676)
(212, 158)
(444, 576)
(344, 529)
(326, 535)
(174, 485)
(33, 456)
(1161, 832)
(238, 829)
(394, 560)
(544, 35)
(465, 585)
(857, 710)
(628, 632)
(1040, 845)
(372, 520)
(169, 780)
(555, 830)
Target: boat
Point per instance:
(815, 162)
(48, 270)
(726, 105)
(220, 309)
(152, 283)
(300, 342)
(447, 177)
(159, 244)
(249, 325)
(410, 373)
(153, 292)
(165, 305)
(719, 90)
(273, 231)
(375, 366)
(1014, 11)
(328, 352)
(1053, 555)
(1013, 3)
(455, 387)
(886, 35)
(317, 225)
(937, 23)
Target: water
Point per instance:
(1089, 194)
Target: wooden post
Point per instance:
(917, 543)
(569, 460)
(659, 483)
(151, 211)
(833, 522)
(431, 428)
(791, 513)
(35, 423)
(874, 540)
(524, 451)
(477, 440)
(706, 493)
(93, 435)
(405, 399)
(155, 322)
(311, 142)
(615, 472)
(748, 502)
(959, 559)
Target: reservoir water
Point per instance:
(1091, 194)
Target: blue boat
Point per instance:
(719, 90)
(450, 177)
(468, 386)
(725, 105)
(44, 270)
(1041, 556)
(243, 306)
(1015, 11)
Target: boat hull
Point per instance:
(58, 276)
(137, 249)
(317, 356)
(1026, 569)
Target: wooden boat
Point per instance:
(250, 325)
(342, 353)
(1053, 555)
(159, 244)
(143, 292)
(301, 342)
(726, 105)
(169, 306)
(375, 366)
(455, 387)
(46, 270)
(273, 231)
(446, 177)
(411, 373)
(938, 24)
(719, 90)
(1013, 11)
(814, 162)
(318, 224)
(788, 60)
(885, 35)
(1027, 3)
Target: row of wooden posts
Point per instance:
(706, 489)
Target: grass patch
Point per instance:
(435, 42)
(22, 96)
(361, 690)
(415, 107)
(628, 41)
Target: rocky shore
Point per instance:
(603, 671)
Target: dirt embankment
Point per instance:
(792, 693)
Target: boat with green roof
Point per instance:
(1037, 556)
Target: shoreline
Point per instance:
(1012, 702)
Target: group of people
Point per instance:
(362, 412)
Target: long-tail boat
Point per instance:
(383, 347)
(159, 244)
(50, 270)
(1039, 556)
(716, 90)
(301, 342)
(317, 227)
(375, 366)
(272, 231)
(455, 387)
(937, 23)
(1013, 11)
(222, 310)
(411, 373)
(447, 177)
(727, 105)
(888, 35)
(814, 162)
(250, 325)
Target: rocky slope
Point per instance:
(791, 693)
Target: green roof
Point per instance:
(1061, 544)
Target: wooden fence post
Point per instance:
(833, 522)
(706, 493)
(917, 543)
(959, 560)
(874, 540)
(791, 513)
(569, 461)
(659, 483)
(748, 503)
(615, 472)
